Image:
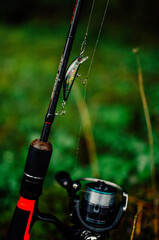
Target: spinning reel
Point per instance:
(97, 210)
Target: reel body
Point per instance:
(97, 210)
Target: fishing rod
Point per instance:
(103, 203)
(40, 151)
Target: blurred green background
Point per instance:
(32, 36)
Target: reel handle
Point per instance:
(63, 178)
(72, 187)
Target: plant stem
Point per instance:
(151, 144)
(87, 130)
(134, 225)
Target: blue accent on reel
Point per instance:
(101, 192)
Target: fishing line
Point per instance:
(90, 65)
(99, 34)
(83, 45)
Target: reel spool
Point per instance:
(99, 203)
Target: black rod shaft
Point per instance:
(61, 72)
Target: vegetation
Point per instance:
(29, 58)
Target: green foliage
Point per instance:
(29, 60)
